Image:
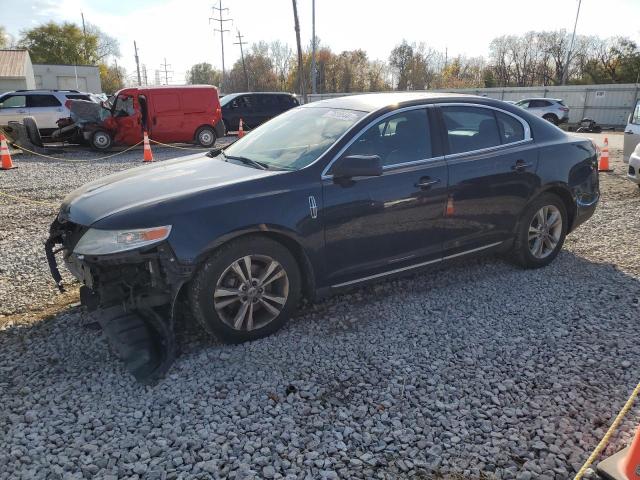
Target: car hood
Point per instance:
(152, 184)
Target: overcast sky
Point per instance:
(180, 31)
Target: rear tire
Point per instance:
(32, 131)
(237, 306)
(550, 117)
(101, 140)
(540, 234)
(206, 137)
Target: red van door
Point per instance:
(126, 113)
(167, 118)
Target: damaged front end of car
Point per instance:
(130, 282)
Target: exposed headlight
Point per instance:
(103, 242)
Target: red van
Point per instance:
(168, 114)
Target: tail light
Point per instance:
(564, 109)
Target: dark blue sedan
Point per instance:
(323, 197)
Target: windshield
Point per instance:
(296, 138)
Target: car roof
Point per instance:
(370, 102)
(541, 98)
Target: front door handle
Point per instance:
(520, 166)
(427, 182)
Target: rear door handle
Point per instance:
(520, 166)
(427, 182)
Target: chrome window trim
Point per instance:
(417, 265)
(377, 119)
(527, 129)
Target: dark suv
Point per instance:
(254, 108)
(368, 187)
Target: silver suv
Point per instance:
(46, 106)
(551, 109)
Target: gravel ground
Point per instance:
(478, 371)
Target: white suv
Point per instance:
(551, 109)
(46, 106)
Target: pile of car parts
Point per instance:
(25, 134)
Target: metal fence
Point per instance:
(608, 105)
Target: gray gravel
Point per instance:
(477, 370)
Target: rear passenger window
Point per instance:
(470, 128)
(38, 101)
(511, 130)
(400, 138)
(78, 97)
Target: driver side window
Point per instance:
(400, 138)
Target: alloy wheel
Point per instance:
(251, 292)
(545, 231)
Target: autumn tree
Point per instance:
(112, 78)
(203, 74)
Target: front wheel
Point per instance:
(246, 290)
(541, 232)
(206, 137)
(101, 140)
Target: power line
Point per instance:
(165, 67)
(222, 31)
(244, 68)
(565, 73)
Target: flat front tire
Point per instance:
(246, 290)
(541, 232)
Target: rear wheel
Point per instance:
(541, 232)
(101, 140)
(206, 137)
(246, 290)
(550, 117)
(32, 131)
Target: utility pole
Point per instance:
(84, 35)
(135, 48)
(222, 31)
(301, 81)
(164, 66)
(244, 67)
(565, 72)
(313, 48)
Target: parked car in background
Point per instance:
(254, 108)
(325, 196)
(633, 170)
(551, 109)
(169, 114)
(632, 133)
(45, 106)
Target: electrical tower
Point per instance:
(244, 68)
(165, 67)
(220, 11)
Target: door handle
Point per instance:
(520, 166)
(427, 182)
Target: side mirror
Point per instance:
(357, 166)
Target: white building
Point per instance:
(85, 78)
(18, 73)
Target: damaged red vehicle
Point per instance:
(168, 114)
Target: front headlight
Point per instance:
(103, 242)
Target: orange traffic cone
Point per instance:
(241, 130)
(5, 156)
(624, 465)
(604, 157)
(148, 155)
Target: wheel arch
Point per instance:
(567, 198)
(286, 239)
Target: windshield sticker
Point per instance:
(341, 115)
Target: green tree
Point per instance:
(67, 43)
(4, 39)
(203, 74)
(111, 78)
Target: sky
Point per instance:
(180, 31)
